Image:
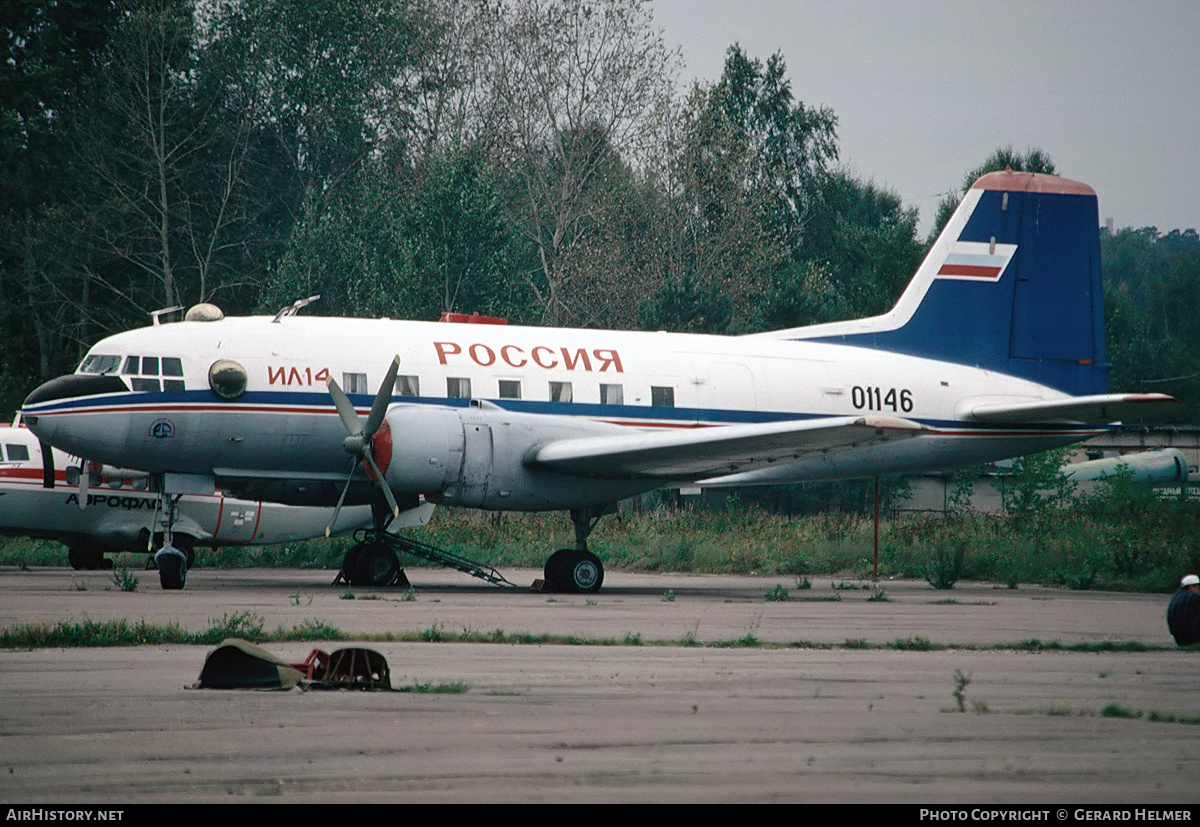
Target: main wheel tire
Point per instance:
(572, 570)
(350, 561)
(85, 557)
(375, 564)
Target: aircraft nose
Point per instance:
(73, 386)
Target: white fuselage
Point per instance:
(544, 382)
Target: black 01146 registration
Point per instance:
(881, 399)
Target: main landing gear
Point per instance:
(372, 562)
(577, 569)
(86, 555)
(374, 559)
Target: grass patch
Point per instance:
(124, 580)
(914, 644)
(244, 625)
(1117, 711)
(449, 688)
(1121, 540)
(778, 594)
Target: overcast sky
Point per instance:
(925, 90)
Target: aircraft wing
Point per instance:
(698, 453)
(1103, 407)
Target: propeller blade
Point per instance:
(382, 400)
(383, 486)
(345, 408)
(47, 464)
(85, 480)
(338, 508)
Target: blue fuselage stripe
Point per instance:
(275, 402)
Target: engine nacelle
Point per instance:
(427, 449)
(475, 457)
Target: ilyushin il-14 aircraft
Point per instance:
(995, 349)
(46, 494)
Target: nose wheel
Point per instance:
(171, 561)
(172, 567)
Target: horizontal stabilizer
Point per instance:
(697, 453)
(1103, 407)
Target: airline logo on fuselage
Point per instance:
(595, 360)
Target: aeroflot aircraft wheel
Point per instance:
(86, 557)
(572, 570)
(172, 567)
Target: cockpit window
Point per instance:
(99, 363)
(143, 373)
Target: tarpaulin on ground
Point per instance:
(239, 664)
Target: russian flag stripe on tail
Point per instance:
(970, 271)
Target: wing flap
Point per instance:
(1103, 407)
(697, 453)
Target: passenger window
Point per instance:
(612, 394)
(354, 383)
(458, 388)
(18, 453)
(662, 397)
(408, 386)
(561, 392)
(510, 389)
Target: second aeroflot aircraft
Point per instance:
(996, 349)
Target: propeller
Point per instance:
(359, 441)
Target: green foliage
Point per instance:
(121, 632)
(1115, 710)
(124, 580)
(946, 566)
(1151, 296)
(245, 625)
(961, 681)
(860, 249)
(1034, 160)
(914, 644)
(1037, 490)
(447, 688)
(777, 594)
(683, 305)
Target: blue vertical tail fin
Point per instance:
(1012, 284)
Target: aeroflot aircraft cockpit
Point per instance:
(152, 374)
